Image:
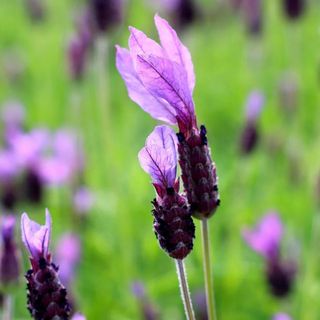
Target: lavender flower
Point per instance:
(47, 297)
(106, 13)
(161, 80)
(78, 316)
(250, 134)
(83, 200)
(253, 15)
(9, 258)
(147, 309)
(294, 8)
(67, 257)
(173, 224)
(281, 316)
(265, 239)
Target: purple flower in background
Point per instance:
(106, 13)
(83, 200)
(67, 257)
(294, 8)
(252, 10)
(173, 224)
(161, 80)
(200, 303)
(266, 237)
(42, 278)
(9, 258)
(9, 166)
(78, 316)
(250, 134)
(35, 9)
(148, 311)
(281, 316)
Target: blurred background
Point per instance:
(70, 137)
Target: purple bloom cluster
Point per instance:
(160, 78)
(31, 160)
(265, 239)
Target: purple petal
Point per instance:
(68, 256)
(78, 316)
(281, 316)
(167, 80)
(140, 44)
(7, 228)
(159, 158)
(83, 200)
(265, 238)
(174, 48)
(255, 104)
(138, 93)
(9, 166)
(35, 237)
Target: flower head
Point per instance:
(265, 238)
(78, 316)
(35, 237)
(281, 316)
(160, 78)
(254, 105)
(159, 157)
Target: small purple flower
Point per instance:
(173, 224)
(253, 15)
(254, 106)
(36, 238)
(266, 237)
(77, 56)
(281, 316)
(83, 200)
(78, 316)
(161, 80)
(67, 256)
(9, 258)
(294, 8)
(9, 166)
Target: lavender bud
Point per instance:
(33, 186)
(9, 259)
(280, 277)
(106, 13)
(184, 13)
(198, 174)
(173, 225)
(47, 297)
(249, 138)
(293, 8)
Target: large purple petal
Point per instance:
(265, 238)
(138, 93)
(159, 158)
(167, 80)
(174, 48)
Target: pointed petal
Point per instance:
(174, 48)
(159, 157)
(138, 93)
(167, 80)
(139, 43)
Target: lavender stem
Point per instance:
(207, 271)
(7, 307)
(185, 294)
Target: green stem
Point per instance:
(207, 271)
(7, 307)
(185, 294)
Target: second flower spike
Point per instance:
(173, 224)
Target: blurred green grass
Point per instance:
(118, 242)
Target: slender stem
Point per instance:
(7, 307)
(207, 271)
(185, 294)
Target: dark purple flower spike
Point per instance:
(47, 297)
(9, 257)
(250, 134)
(173, 224)
(265, 239)
(253, 15)
(294, 8)
(161, 80)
